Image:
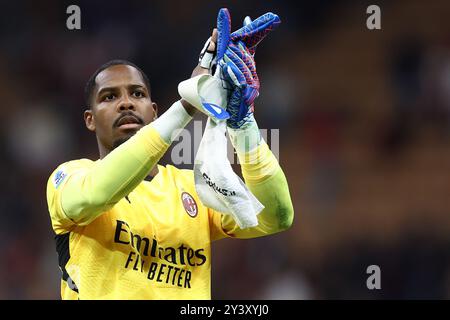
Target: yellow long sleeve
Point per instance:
(91, 191)
(266, 180)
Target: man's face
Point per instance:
(121, 105)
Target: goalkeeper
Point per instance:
(128, 228)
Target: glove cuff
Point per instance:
(246, 138)
(206, 93)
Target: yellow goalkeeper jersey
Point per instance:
(119, 236)
(152, 244)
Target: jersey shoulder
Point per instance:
(187, 173)
(178, 174)
(63, 170)
(182, 179)
(60, 222)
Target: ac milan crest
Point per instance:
(189, 204)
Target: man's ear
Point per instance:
(89, 120)
(155, 110)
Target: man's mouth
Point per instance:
(129, 122)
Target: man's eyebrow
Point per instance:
(109, 89)
(134, 86)
(106, 89)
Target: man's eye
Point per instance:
(109, 97)
(138, 94)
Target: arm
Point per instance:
(261, 171)
(91, 191)
(266, 180)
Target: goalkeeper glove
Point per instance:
(238, 65)
(239, 70)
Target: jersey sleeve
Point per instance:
(85, 193)
(266, 180)
(61, 223)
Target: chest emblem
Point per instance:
(189, 204)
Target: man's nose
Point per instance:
(125, 104)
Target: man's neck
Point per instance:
(103, 151)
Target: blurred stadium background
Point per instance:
(364, 119)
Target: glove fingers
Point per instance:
(244, 55)
(247, 92)
(250, 94)
(253, 33)
(241, 76)
(223, 31)
(236, 76)
(240, 65)
(247, 20)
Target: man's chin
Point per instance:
(123, 139)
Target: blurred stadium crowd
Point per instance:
(364, 119)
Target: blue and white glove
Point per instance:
(238, 66)
(239, 70)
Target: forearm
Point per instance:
(266, 180)
(89, 193)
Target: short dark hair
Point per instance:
(90, 85)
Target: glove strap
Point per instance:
(206, 57)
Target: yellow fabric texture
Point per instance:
(127, 238)
(147, 248)
(113, 177)
(266, 180)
